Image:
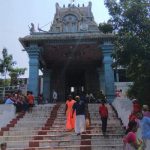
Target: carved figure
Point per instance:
(70, 23)
(32, 28)
(57, 6)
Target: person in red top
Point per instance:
(103, 111)
(136, 106)
(133, 117)
(30, 99)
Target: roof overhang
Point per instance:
(39, 37)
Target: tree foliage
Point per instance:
(15, 73)
(105, 27)
(131, 21)
(6, 63)
(7, 66)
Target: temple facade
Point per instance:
(73, 55)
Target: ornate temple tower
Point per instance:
(73, 54)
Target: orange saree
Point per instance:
(70, 121)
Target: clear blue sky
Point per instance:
(16, 15)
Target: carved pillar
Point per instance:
(46, 84)
(107, 48)
(33, 83)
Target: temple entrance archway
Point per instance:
(72, 54)
(74, 81)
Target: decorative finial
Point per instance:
(57, 5)
(72, 2)
(90, 4)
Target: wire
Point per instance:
(45, 25)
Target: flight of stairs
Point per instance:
(44, 129)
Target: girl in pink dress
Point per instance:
(130, 139)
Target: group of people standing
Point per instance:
(77, 115)
(137, 135)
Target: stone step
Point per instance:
(35, 130)
(24, 128)
(93, 123)
(91, 126)
(56, 144)
(30, 125)
(50, 132)
(74, 147)
(64, 143)
(56, 136)
(76, 142)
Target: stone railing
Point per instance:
(124, 109)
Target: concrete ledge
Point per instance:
(7, 113)
(124, 109)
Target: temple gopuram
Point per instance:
(73, 54)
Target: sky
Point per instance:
(16, 15)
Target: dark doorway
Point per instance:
(74, 82)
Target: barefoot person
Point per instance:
(130, 139)
(79, 107)
(70, 121)
(103, 111)
(30, 99)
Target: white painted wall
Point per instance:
(7, 113)
(124, 86)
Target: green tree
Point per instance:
(6, 64)
(7, 67)
(105, 27)
(15, 73)
(131, 21)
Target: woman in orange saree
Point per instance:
(70, 121)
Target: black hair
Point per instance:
(131, 125)
(3, 144)
(69, 96)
